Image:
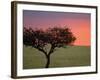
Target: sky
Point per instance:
(79, 23)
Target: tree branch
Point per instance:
(42, 50)
(51, 50)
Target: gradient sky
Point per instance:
(79, 23)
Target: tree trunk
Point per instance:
(48, 61)
(48, 57)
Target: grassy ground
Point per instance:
(63, 57)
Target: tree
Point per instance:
(56, 37)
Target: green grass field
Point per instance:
(64, 57)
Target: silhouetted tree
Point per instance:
(56, 37)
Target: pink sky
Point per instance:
(79, 23)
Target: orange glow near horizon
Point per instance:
(81, 31)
